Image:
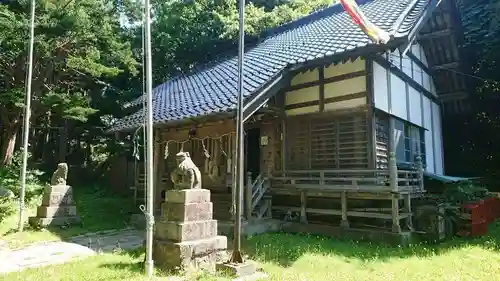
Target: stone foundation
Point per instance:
(186, 235)
(57, 208)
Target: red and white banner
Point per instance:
(376, 34)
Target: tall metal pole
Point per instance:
(149, 144)
(237, 256)
(27, 113)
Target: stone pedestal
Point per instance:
(186, 235)
(57, 208)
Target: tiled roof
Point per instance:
(322, 34)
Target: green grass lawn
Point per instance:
(282, 256)
(301, 257)
(93, 204)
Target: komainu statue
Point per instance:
(186, 175)
(60, 175)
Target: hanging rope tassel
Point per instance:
(376, 34)
(166, 150)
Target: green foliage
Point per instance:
(6, 208)
(472, 140)
(258, 18)
(447, 207)
(10, 178)
(80, 49)
(186, 34)
(462, 193)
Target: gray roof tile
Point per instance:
(325, 33)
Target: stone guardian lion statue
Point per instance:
(60, 175)
(186, 175)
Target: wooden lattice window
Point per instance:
(326, 142)
(382, 141)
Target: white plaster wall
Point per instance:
(415, 49)
(410, 68)
(417, 74)
(398, 97)
(407, 68)
(380, 87)
(415, 103)
(427, 82)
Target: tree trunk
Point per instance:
(7, 143)
(63, 142)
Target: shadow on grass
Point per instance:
(134, 261)
(128, 266)
(98, 209)
(284, 249)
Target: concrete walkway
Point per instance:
(50, 253)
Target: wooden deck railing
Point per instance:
(363, 180)
(391, 184)
(255, 191)
(360, 180)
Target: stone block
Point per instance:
(187, 196)
(57, 189)
(54, 221)
(186, 231)
(57, 198)
(55, 211)
(237, 270)
(190, 255)
(187, 212)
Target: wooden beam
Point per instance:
(446, 66)
(328, 80)
(407, 204)
(334, 212)
(396, 227)
(435, 34)
(322, 89)
(248, 196)
(343, 199)
(303, 207)
(453, 96)
(335, 194)
(370, 101)
(157, 175)
(418, 62)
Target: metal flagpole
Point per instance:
(149, 139)
(237, 256)
(27, 113)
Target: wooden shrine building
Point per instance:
(338, 129)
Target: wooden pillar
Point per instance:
(393, 168)
(343, 199)
(370, 100)
(248, 196)
(393, 177)
(156, 170)
(303, 207)
(420, 170)
(269, 208)
(407, 207)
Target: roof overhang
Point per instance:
(431, 7)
